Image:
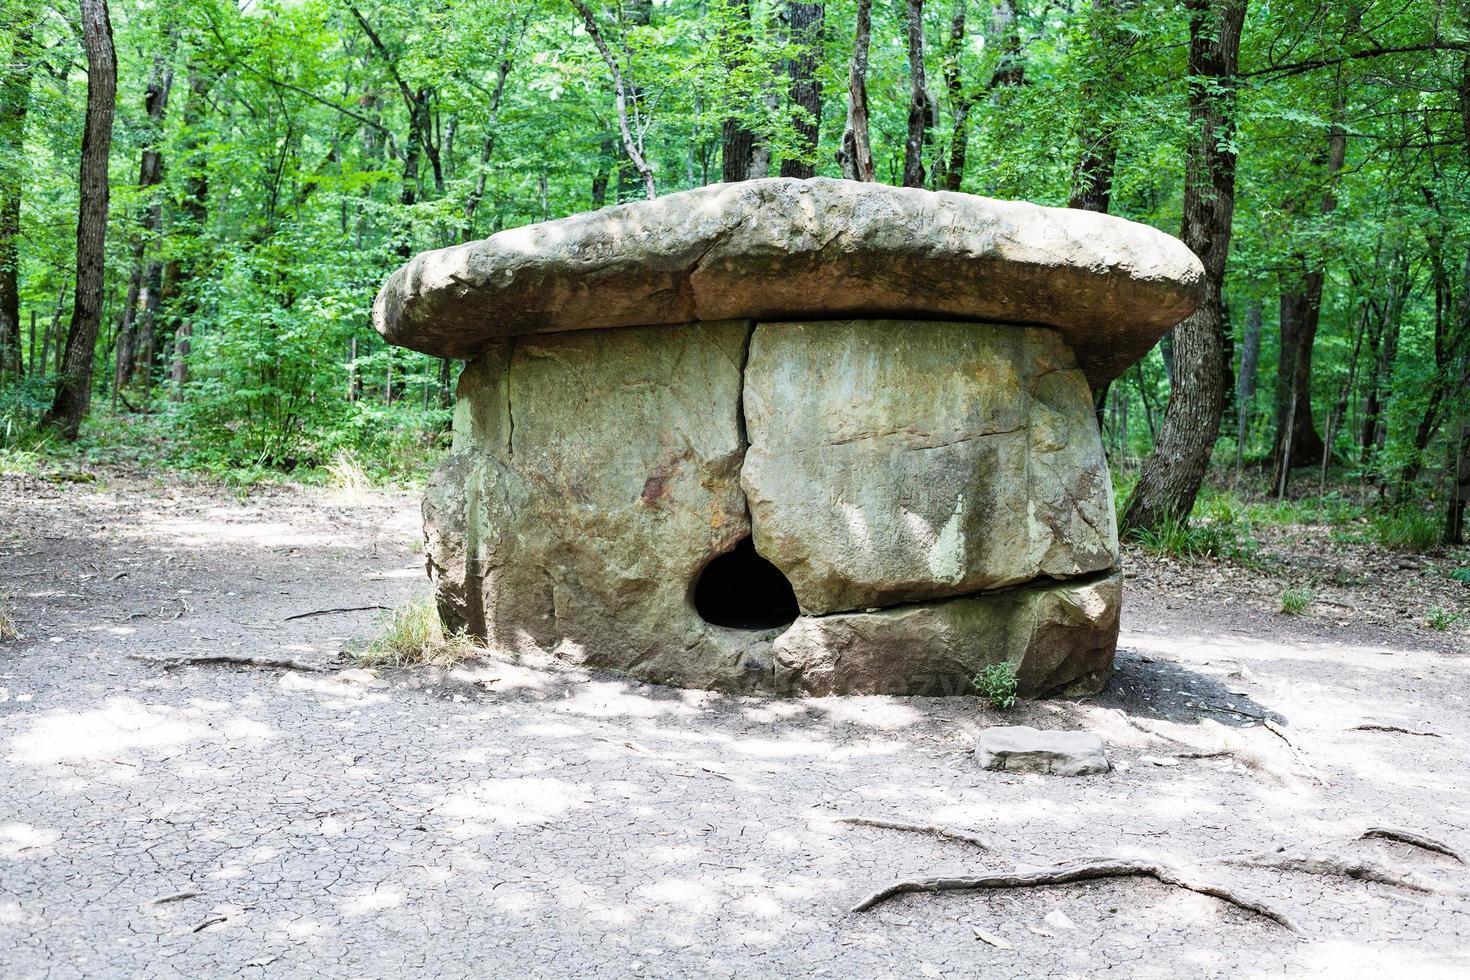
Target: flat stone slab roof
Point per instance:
(781, 248)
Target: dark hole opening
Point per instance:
(741, 590)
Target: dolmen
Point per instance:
(789, 436)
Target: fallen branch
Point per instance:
(1414, 840)
(932, 829)
(328, 612)
(232, 660)
(1063, 874)
(1393, 728)
(1314, 862)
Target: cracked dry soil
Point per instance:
(509, 819)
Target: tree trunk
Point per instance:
(487, 146)
(74, 387)
(1301, 311)
(804, 31)
(1245, 379)
(737, 140)
(919, 117)
(953, 172)
(134, 340)
(632, 143)
(856, 153)
(1172, 474)
(1092, 182)
(15, 103)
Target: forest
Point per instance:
(200, 198)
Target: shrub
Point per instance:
(998, 683)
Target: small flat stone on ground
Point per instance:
(1018, 748)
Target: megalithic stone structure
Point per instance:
(793, 436)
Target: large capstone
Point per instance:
(791, 436)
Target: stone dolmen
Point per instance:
(792, 436)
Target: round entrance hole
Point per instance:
(741, 590)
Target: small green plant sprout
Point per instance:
(998, 683)
(412, 635)
(1294, 601)
(1461, 575)
(1442, 619)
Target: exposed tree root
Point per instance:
(233, 660)
(329, 612)
(1062, 874)
(1319, 862)
(932, 829)
(1413, 840)
(1296, 753)
(1394, 729)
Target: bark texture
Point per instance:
(74, 387)
(804, 30)
(919, 115)
(15, 100)
(1172, 474)
(856, 153)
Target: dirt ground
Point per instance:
(510, 820)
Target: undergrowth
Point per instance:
(997, 683)
(412, 635)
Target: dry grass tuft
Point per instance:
(8, 629)
(413, 635)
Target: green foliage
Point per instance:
(1461, 575)
(1295, 600)
(291, 190)
(998, 684)
(1443, 619)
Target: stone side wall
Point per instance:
(877, 463)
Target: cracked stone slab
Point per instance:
(1019, 748)
(593, 475)
(900, 461)
(780, 248)
(1060, 637)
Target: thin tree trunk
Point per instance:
(15, 103)
(856, 153)
(487, 146)
(953, 171)
(804, 31)
(632, 143)
(1301, 311)
(1245, 380)
(135, 339)
(1092, 182)
(1172, 474)
(74, 388)
(737, 140)
(919, 118)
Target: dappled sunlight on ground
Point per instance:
(509, 817)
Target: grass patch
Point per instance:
(998, 683)
(1295, 601)
(1442, 619)
(1219, 535)
(8, 629)
(413, 635)
(1406, 529)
